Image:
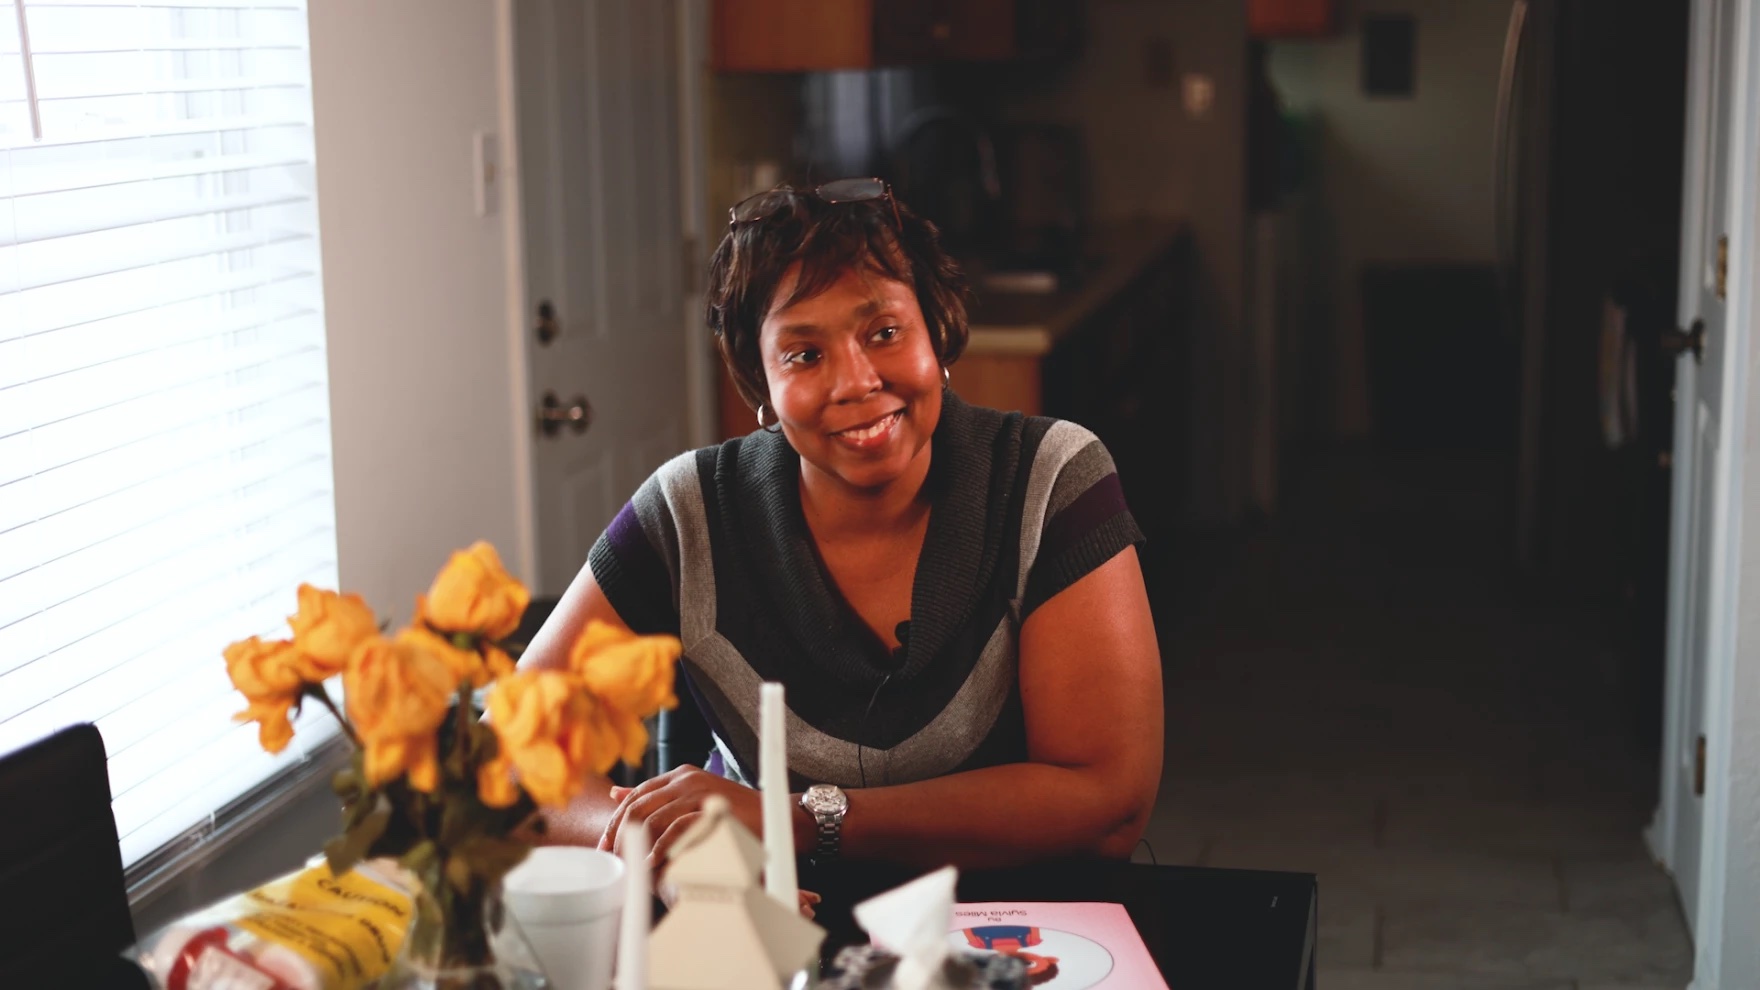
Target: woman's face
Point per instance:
(853, 378)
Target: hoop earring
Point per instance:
(767, 427)
(946, 376)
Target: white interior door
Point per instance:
(1699, 598)
(599, 110)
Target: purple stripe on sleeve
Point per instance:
(1103, 500)
(634, 578)
(625, 533)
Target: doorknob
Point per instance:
(1693, 339)
(548, 325)
(553, 415)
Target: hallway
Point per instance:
(1354, 691)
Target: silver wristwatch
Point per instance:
(827, 805)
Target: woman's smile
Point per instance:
(872, 434)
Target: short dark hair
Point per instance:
(827, 240)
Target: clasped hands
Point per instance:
(672, 802)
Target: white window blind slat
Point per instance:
(113, 514)
(54, 577)
(40, 497)
(109, 427)
(174, 4)
(66, 396)
(83, 633)
(165, 467)
(172, 673)
(25, 358)
(193, 788)
(41, 219)
(127, 701)
(154, 296)
(232, 125)
(157, 252)
(53, 178)
(98, 90)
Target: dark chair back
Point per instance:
(61, 885)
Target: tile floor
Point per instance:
(1354, 691)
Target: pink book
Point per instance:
(1067, 946)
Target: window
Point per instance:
(165, 476)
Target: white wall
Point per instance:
(1403, 179)
(425, 393)
(422, 377)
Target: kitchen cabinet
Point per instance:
(1291, 18)
(823, 35)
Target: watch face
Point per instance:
(824, 799)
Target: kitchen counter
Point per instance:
(1025, 324)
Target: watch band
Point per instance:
(830, 837)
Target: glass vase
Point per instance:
(464, 942)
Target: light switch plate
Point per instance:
(486, 167)
(1198, 94)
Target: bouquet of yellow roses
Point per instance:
(431, 782)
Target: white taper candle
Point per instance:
(779, 876)
(632, 933)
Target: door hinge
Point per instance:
(1699, 768)
(1723, 266)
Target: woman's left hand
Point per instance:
(671, 802)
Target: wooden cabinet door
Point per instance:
(1291, 18)
(792, 35)
(954, 30)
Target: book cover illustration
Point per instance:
(1066, 946)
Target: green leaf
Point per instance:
(420, 858)
(339, 853)
(490, 857)
(353, 845)
(348, 785)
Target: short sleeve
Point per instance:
(635, 561)
(1086, 523)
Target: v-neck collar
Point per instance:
(958, 557)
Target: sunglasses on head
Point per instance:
(767, 204)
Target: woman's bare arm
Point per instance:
(583, 821)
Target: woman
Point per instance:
(951, 594)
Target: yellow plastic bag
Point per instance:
(309, 930)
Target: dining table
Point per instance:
(1204, 927)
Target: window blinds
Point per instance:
(165, 477)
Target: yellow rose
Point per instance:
(327, 628)
(398, 694)
(497, 662)
(631, 673)
(478, 666)
(474, 594)
(550, 732)
(268, 675)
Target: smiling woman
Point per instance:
(951, 594)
